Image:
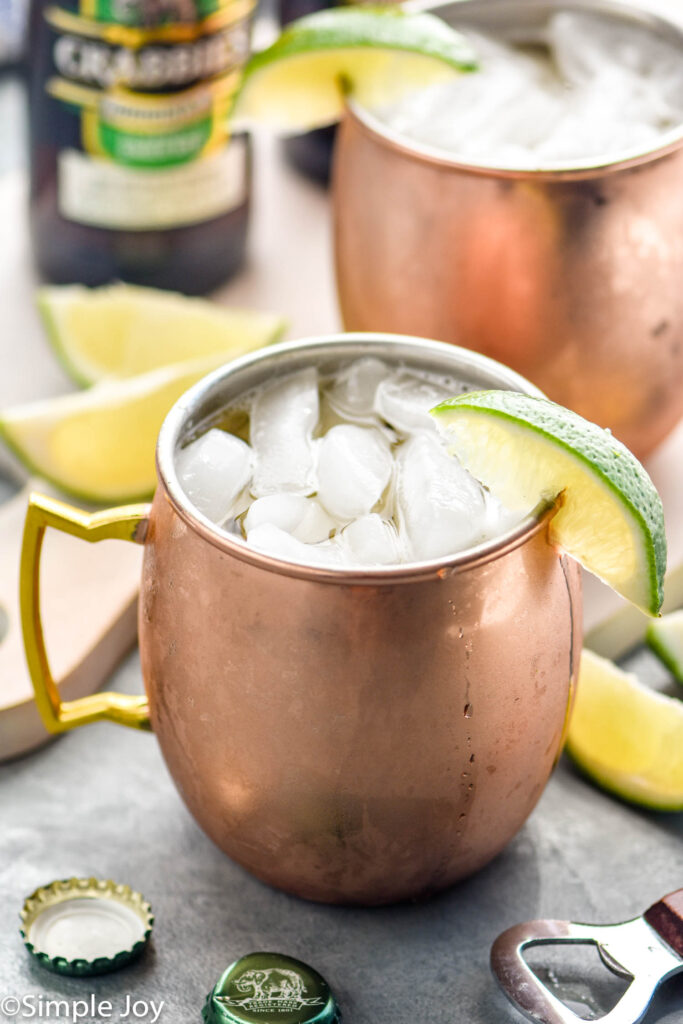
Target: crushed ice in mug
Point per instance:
(583, 87)
(341, 471)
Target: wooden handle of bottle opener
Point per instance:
(666, 917)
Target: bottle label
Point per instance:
(149, 84)
(106, 195)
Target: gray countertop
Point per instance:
(100, 802)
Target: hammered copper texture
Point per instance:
(357, 743)
(573, 280)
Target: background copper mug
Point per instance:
(572, 277)
(350, 736)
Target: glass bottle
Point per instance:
(133, 176)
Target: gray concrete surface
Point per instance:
(99, 801)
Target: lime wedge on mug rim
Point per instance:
(376, 53)
(609, 516)
(627, 737)
(122, 330)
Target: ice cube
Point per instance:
(282, 510)
(304, 518)
(283, 418)
(481, 116)
(626, 86)
(354, 468)
(316, 524)
(371, 540)
(404, 400)
(441, 507)
(584, 44)
(592, 86)
(593, 127)
(577, 49)
(498, 518)
(276, 542)
(213, 471)
(352, 395)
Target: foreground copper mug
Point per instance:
(571, 276)
(350, 736)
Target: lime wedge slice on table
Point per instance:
(627, 737)
(609, 517)
(376, 53)
(99, 444)
(122, 330)
(665, 637)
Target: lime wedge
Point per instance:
(377, 53)
(665, 637)
(609, 517)
(122, 330)
(99, 444)
(627, 737)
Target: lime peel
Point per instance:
(610, 518)
(627, 737)
(99, 444)
(378, 53)
(121, 330)
(665, 637)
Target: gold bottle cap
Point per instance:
(85, 926)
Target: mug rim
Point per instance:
(189, 405)
(570, 170)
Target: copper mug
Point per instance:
(571, 276)
(349, 736)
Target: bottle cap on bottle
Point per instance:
(85, 926)
(269, 988)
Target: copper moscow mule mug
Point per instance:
(571, 276)
(349, 736)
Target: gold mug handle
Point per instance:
(129, 522)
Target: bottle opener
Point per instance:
(646, 951)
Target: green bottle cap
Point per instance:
(269, 988)
(85, 926)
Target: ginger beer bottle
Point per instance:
(132, 172)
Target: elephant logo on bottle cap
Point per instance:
(268, 985)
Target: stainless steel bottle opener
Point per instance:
(646, 951)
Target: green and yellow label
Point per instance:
(152, 81)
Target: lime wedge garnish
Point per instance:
(99, 444)
(376, 53)
(122, 330)
(665, 637)
(627, 737)
(609, 517)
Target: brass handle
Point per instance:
(129, 522)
